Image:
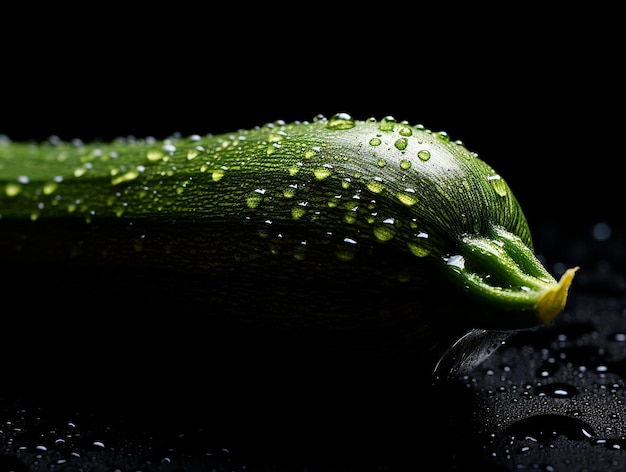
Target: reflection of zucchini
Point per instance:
(333, 225)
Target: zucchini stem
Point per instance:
(505, 273)
(552, 300)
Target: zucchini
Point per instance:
(374, 233)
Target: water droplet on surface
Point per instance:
(546, 427)
(405, 131)
(255, 198)
(619, 337)
(334, 201)
(404, 277)
(80, 171)
(417, 250)
(498, 184)
(401, 144)
(350, 217)
(557, 390)
(346, 251)
(299, 252)
(290, 191)
(375, 142)
(119, 211)
(12, 189)
(323, 172)
(311, 152)
(294, 169)
(276, 137)
(272, 148)
(387, 123)
(340, 121)
(386, 231)
(217, 175)
(443, 136)
(375, 185)
(298, 212)
(407, 198)
(139, 242)
(405, 164)
(118, 178)
(169, 148)
(423, 154)
(547, 369)
(381, 163)
(456, 260)
(154, 155)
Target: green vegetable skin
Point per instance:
(373, 228)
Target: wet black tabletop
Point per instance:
(125, 397)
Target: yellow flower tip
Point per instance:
(552, 301)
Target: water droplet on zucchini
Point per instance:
(401, 144)
(118, 178)
(50, 187)
(300, 251)
(386, 231)
(255, 198)
(346, 251)
(290, 191)
(388, 123)
(443, 136)
(375, 185)
(417, 250)
(294, 169)
(154, 155)
(217, 175)
(298, 212)
(323, 172)
(12, 189)
(407, 197)
(351, 216)
(423, 154)
(498, 185)
(340, 121)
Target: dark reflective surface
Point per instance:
(95, 394)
